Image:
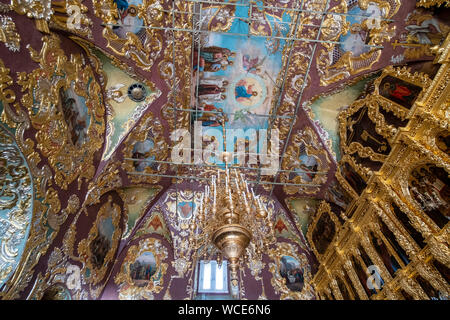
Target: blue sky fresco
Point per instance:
(250, 77)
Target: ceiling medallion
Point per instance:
(137, 92)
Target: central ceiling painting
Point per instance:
(234, 73)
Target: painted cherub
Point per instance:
(252, 65)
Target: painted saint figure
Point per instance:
(207, 89)
(425, 32)
(398, 91)
(142, 150)
(213, 59)
(211, 119)
(220, 82)
(243, 93)
(75, 116)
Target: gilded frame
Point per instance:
(418, 79)
(376, 118)
(278, 282)
(324, 208)
(347, 65)
(84, 249)
(127, 288)
(56, 72)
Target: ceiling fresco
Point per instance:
(124, 109)
(91, 92)
(163, 237)
(303, 209)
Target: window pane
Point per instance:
(207, 276)
(219, 277)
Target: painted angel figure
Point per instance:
(252, 64)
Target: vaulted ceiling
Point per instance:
(132, 69)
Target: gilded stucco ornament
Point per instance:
(431, 3)
(67, 138)
(57, 218)
(106, 10)
(142, 272)
(295, 77)
(9, 34)
(16, 204)
(334, 66)
(60, 273)
(40, 233)
(172, 69)
(218, 17)
(7, 95)
(109, 179)
(41, 9)
(143, 46)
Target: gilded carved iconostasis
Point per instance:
(94, 93)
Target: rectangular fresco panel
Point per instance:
(243, 84)
(236, 74)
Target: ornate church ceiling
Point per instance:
(92, 91)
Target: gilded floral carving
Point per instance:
(336, 63)
(66, 108)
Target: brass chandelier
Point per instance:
(232, 222)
